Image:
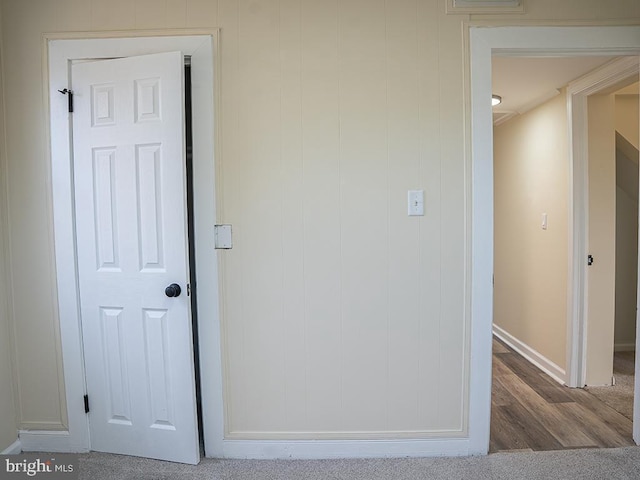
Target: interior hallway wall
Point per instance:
(627, 118)
(531, 170)
(626, 270)
(627, 124)
(601, 276)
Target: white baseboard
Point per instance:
(326, 449)
(539, 360)
(13, 449)
(49, 441)
(46, 441)
(624, 347)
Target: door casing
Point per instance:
(484, 41)
(60, 49)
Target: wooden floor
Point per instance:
(531, 411)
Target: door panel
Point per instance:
(129, 173)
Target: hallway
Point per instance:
(531, 411)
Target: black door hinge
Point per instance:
(589, 260)
(69, 93)
(86, 404)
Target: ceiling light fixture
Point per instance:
(496, 100)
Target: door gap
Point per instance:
(192, 253)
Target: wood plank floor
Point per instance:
(531, 411)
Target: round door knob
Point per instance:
(173, 290)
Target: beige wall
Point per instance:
(626, 269)
(341, 314)
(531, 170)
(8, 428)
(627, 123)
(352, 322)
(627, 118)
(601, 239)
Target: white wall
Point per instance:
(341, 314)
(531, 168)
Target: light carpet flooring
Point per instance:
(620, 395)
(584, 464)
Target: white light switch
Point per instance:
(222, 236)
(544, 221)
(415, 200)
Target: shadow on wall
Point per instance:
(626, 243)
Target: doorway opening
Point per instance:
(532, 231)
(485, 41)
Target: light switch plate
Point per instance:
(222, 237)
(415, 202)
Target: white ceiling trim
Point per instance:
(502, 117)
(539, 101)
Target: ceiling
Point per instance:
(526, 82)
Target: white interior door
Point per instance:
(129, 171)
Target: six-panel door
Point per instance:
(129, 174)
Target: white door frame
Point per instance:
(520, 41)
(59, 50)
